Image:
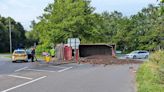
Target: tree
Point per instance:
(75, 18)
(64, 19)
(18, 34)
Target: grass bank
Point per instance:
(150, 76)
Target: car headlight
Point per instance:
(13, 57)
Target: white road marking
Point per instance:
(57, 66)
(21, 69)
(53, 66)
(23, 84)
(39, 70)
(22, 77)
(65, 69)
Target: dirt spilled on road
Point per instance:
(107, 60)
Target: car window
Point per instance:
(19, 52)
(142, 52)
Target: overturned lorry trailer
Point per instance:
(96, 49)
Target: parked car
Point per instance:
(19, 55)
(138, 54)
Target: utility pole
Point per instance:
(10, 36)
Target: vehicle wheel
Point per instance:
(26, 61)
(134, 57)
(13, 61)
(146, 56)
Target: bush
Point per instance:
(42, 48)
(157, 57)
(150, 76)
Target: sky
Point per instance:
(25, 11)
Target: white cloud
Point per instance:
(127, 7)
(19, 3)
(3, 7)
(25, 11)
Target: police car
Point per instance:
(19, 55)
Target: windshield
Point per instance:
(19, 52)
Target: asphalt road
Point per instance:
(41, 77)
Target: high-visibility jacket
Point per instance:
(52, 52)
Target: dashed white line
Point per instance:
(22, 77)
(65, 69)
(21, 69)
(57, 66)
(23, 84)
(39, 70)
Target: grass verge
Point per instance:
(150, 76)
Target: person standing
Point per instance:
(52, 53)
(32, 54)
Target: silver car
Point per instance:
(138, 54)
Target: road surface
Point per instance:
(41, 77)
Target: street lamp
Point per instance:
(10, 36)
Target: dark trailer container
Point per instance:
(96, 49)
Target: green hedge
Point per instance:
(157, 58)
(150, 76)
(43, 48)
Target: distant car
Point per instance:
(19, 55)
(118, 52)
(140, 54)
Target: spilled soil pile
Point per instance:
(107, 60)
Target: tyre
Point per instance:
(134, 57)
(13, 61)
(26, 61)
(146, 56)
